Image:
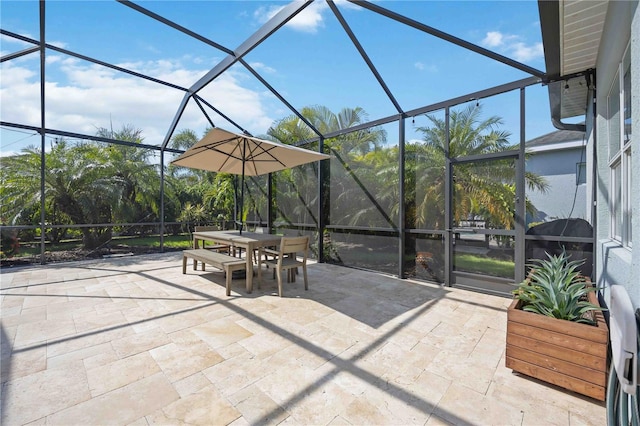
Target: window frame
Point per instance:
(619, 158)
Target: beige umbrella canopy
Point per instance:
(228, 152)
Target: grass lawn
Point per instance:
(484, 265)
(182, 241)
(386, 260)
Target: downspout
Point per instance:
(555, 100)
(591, 98)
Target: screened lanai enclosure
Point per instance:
(426, 122)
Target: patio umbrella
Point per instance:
(228, 152)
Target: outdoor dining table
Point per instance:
(249, 241)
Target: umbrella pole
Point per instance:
(244, 148)
(242, 201)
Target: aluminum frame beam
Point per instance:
(448, 37)
(274, 24)
(174, 25)
(278, 21)
(365, 56)
(81, 136)
(43, 118)
(521, 197)
(402, 219)
(19, 54)
(496, 90)
(280, 97)
(89, 59)
(220, 113)
(448, 203)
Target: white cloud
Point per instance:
(423, 67)
(309, 20)
(60, 44)
(149, 47)
(524, 53)
(87, 97)
(493, 39)
(263, 13)
(512, 45)
(51, 59)
(17, 44)
(262, 67)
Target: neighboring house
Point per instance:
(560, 157)
(593, 50)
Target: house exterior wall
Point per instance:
(634, 281)
(559, 168)
(616, 264)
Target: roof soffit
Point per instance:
(581, 24)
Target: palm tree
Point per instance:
(352, 198)
(77, 186)
(210, 193)
(218, 196)
(349, 180)
(479, 188)
(184, 139)
(135, 173)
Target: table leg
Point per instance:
(249, 267)
(195, 246)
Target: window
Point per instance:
(613, 118)
(627, 189)
(581, 173)
(619, 135)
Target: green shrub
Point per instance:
(9, 243)
(556, 289)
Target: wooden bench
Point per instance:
(221, 261)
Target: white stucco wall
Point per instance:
(616, 264)
(634, 281)
(558, 167)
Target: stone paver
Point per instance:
(133, 341)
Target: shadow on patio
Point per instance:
(133, 341)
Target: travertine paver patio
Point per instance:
(133, 341)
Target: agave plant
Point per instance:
(556, 289)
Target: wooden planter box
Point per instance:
(564, 353)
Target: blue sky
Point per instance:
(310, 61)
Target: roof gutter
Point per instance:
(550, 26)
(567, 126)
(555, 101)
(556, 90)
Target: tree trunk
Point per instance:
(93, 238)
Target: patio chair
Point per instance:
(286, 258)
(222, 248)
(266, 251)
(247, 228)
